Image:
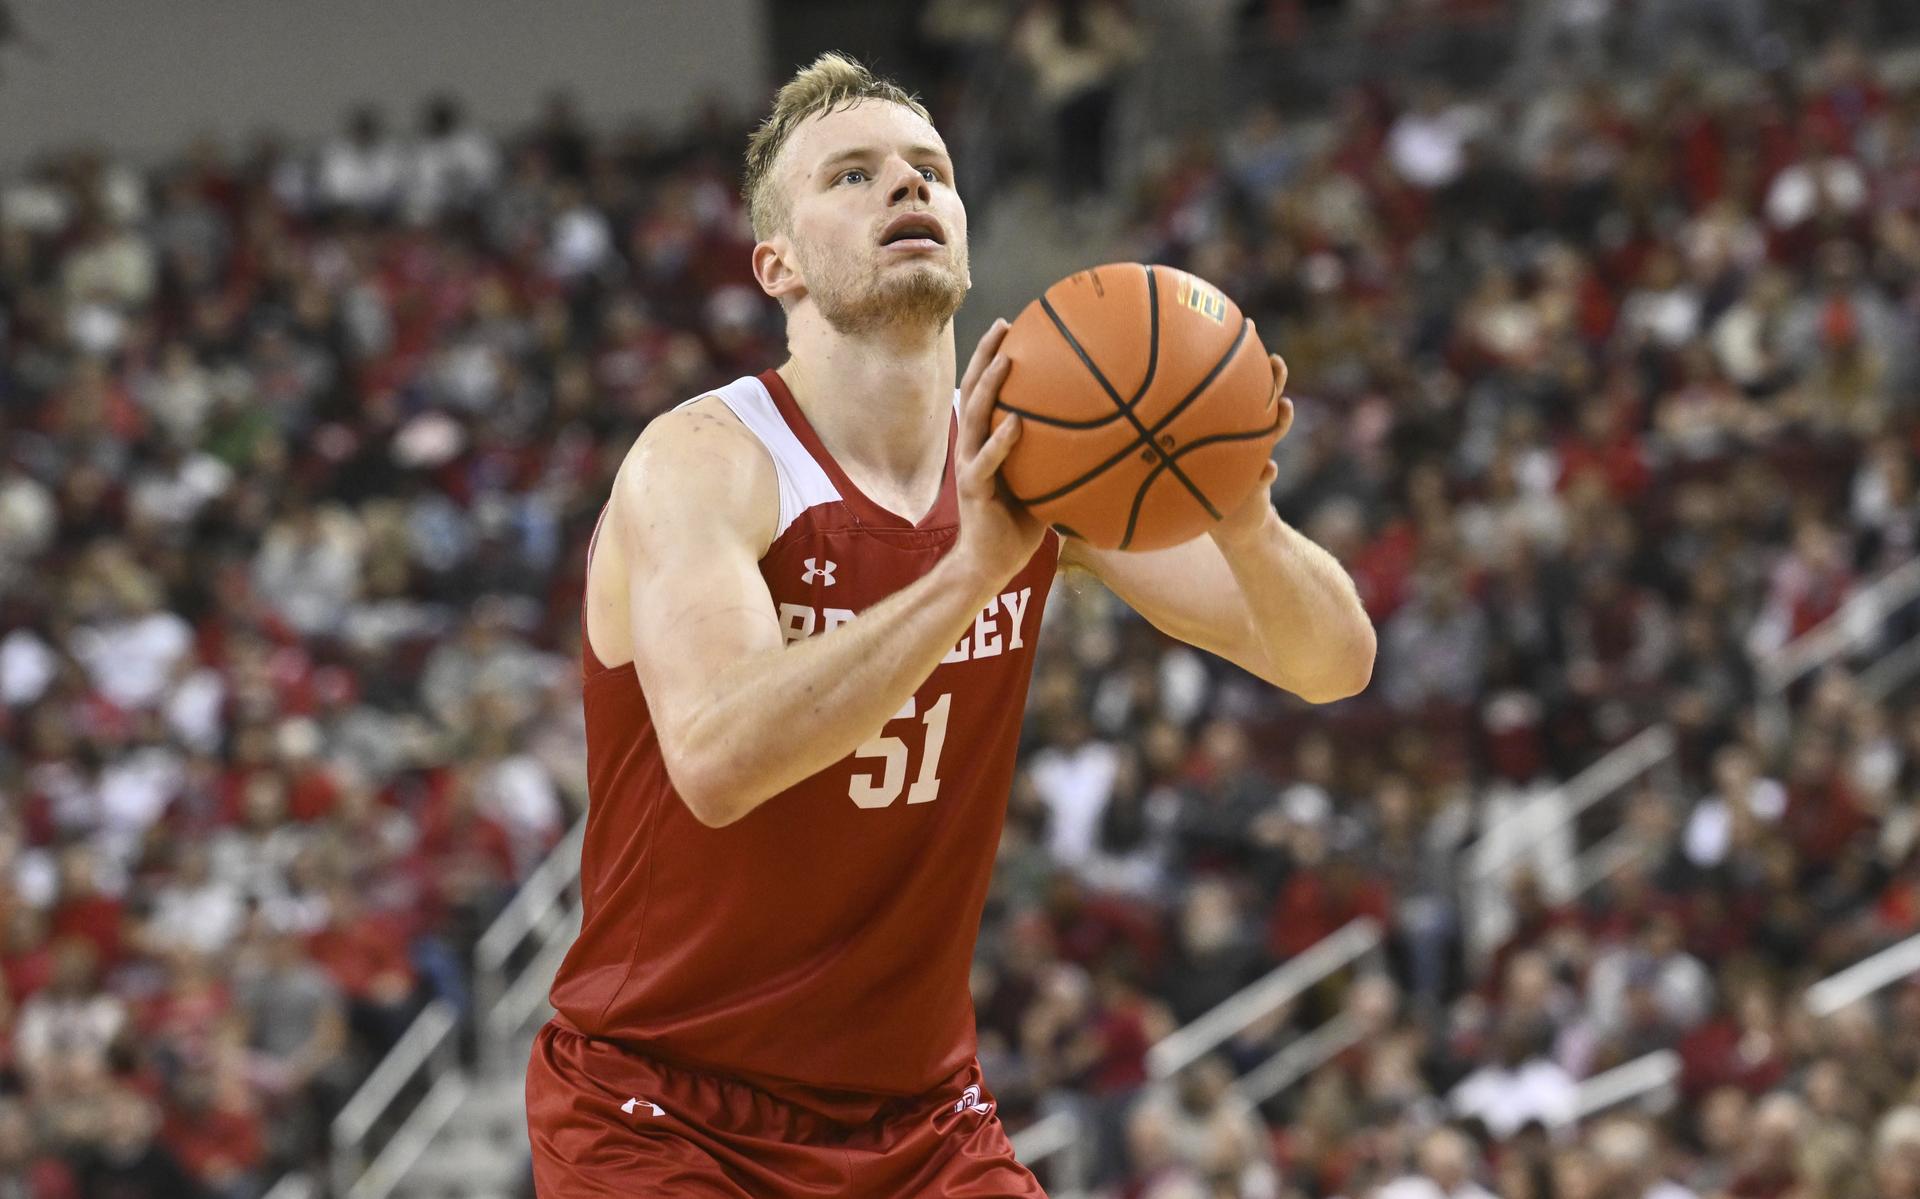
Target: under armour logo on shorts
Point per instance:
(970, 1098)
(817, 571)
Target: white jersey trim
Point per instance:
(803, 482)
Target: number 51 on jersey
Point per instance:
(878, 789)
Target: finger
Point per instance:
(976, 410)
(1285, 419)
(982, 355)
(987, 462)
(1279, 374)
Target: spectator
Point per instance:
(1154, 1170)
(1446, 1171)
(1077, 51)
(1437, 644)
(1209, 1129)
(297, 1031)
(1075, 778)
(128, 1161)
(71, 1020)
(1427, 146)
(1213, 957)
(215, 1133)
(362, 169)
(26, 1169)
(452, 165)
(1627, 1161)
(1520, 1086)
(1896, 1154)
(1771, 1164)
(1733, 816)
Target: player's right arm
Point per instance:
(741, 715)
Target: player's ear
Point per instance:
(774, 267)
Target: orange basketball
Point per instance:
(1147, 404)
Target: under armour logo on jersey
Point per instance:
(631, 1104)
(970, 1098)
(817, 571)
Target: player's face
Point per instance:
(861, 180)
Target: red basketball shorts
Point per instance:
(605, 1121)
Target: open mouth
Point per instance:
(914, 230)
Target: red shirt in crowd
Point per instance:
(213, 1143)
(1316, 903)
(361, 950)
(92, 918)
(42, 1178)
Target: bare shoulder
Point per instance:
(698, 467)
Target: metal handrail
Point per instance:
(295, 1185)
(1058, 1135)
(1045, 1137)
(544, 888)
(1598, 864)
(425, 1040)
(1061, 1131)
(1185, 1045)
(518, 1004)
(1863, 978)
(1301, 1057)
(1841, 632)
(1626, 1082)
(411, 1141)
(428, 1037)
(1890, 671)
(1618, 767)
(1834, 993)
(1847, 629)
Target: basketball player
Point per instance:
(810, 621)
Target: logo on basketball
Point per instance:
(1194, 294)
(817, 571)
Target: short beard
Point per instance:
(926, 296)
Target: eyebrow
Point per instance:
(921, 151)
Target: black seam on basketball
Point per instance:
(1153, 355)
(1153, 339)
(1163, 422)
(1139, 497)
(1042, 419)
(1146, 435)
(1092, 474)
(1120, 410)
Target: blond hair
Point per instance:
(833, 81)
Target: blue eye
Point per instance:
(929, 174)
(855, 171)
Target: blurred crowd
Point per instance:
(1606, 392)
(299, 453)
(1604, 396)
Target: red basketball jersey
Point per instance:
(825, 939)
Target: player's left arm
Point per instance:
(1254, 591)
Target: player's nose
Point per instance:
(908, 183)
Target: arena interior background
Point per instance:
(325, 325)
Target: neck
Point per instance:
(879, 400)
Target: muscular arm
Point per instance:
(1255, 592)
(740, 715)
(1279, 606)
